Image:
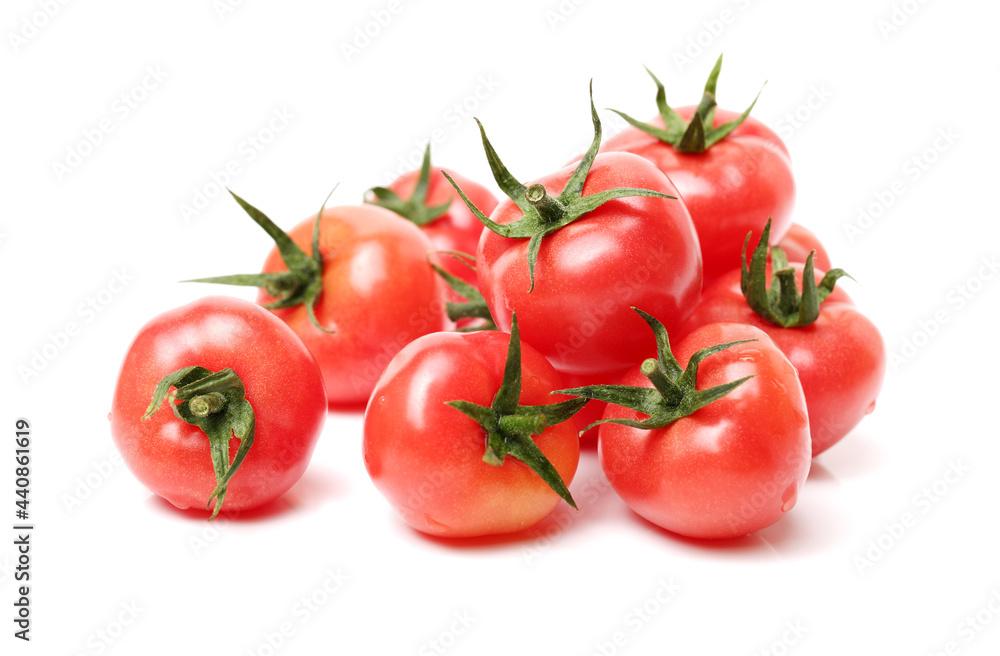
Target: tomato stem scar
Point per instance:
(550, 209)
(206, 404)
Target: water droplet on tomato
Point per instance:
(749, 355)
(789, 497)
(109, 416)
(871, 408)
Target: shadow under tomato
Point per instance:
(480, 543)
(858, 455)
(561, 521)
(750, 545)
(820, 474)
(797, 533)
(261, 513)
(316, 487)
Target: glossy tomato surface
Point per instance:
(730, 189)
(840, 357)
(283, 385)
(426, 457)
(379, 293)
(731, 468)
(457, 229)
(637, 251)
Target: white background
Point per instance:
(869, 97)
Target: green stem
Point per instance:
(549, 209)
(207, 404)
(543, 214)
(531, 424)
(675, 394)
(783, 304)
(216, 403)
(671, 393)
(788, 300)
(696, 135)
(467, 310)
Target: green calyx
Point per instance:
(782, 304)
(215, 402)
(697, 134)
(510, 425)
(302, 284)
(474, 306)
(673, 394)
(542, 212)
(415, 208)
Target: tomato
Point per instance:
(629, 251)
(799, 241)
(374, 293)
(573, 251)
(282, 385)
(431, 203)
(427, 457)
(730, 187)
(729, 468)
(840, 357)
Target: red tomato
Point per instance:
(799, 241)
(732, 467)
(457, 229)
(282, 384)
(840, 357)
(379, 293)
(730, 189)
(634, 251)
(426, 457)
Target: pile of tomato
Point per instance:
(653, 295)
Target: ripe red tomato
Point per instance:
(379, 293)
(281, 382)
(573, 251)
(427, 458)
(840, 357)
(732, 467)
(799, 241)
(430, 201)
(730, 187)
(839, 353)
(375, 291)
(634, 251)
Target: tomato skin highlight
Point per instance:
(729, 469)
(426, 457)
(730, 189)
(636, 251)
(283, 384)
(457, 229)
(379, 293)
(840, 358)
